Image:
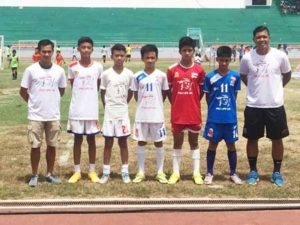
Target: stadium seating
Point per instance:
(145, 25)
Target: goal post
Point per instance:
(196, 35)
(2, 52)
(26, 47)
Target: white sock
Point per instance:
(176, 160)
(92, 167)
(77, 168)
(106, 169)
(195, 154)
(160, 157)
(140, 153)
(124, 168)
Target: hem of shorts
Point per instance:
(105, 136)
(69, 131)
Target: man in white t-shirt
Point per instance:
(265, 71)
(115, 95)
(150, 87)
(42, 86)
(84, 76)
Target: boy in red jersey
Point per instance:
(185, 81)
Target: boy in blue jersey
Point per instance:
(221, 86)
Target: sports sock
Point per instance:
(106, 169)
(92, 167)
(232, 158)
(77, 168)
(252, 163)
(277, 165)
(176, 160)
(160, 157)
(210, 160)
(124, 168)
(140, 153)
(195, 154)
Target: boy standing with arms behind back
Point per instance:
(221, 86)
(84, 76)
(186, 81)
(150, 87)
(115, 95)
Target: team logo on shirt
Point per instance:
(194, 75)
(232, 81)
(176, 75)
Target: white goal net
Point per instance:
(26, 47)
(2, 51)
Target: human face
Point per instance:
(149, 60)
(262, 41)
(85, 49)
(46, 53)
(187, 53)
(118, 57)
(223, 63)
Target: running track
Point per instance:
(262, 217)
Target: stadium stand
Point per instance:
(290, 6)
(131, 25)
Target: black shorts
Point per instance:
(256, 119)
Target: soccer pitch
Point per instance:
(15, 167)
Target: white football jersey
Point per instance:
(150, 99)
(84, 102)
(116, 88)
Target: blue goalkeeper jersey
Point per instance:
(222, 101)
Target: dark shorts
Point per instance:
(257, 119)
(216, 132)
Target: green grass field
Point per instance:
(15, 167)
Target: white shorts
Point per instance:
(83, 127)
(155, 132)
(116, 128)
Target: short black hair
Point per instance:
(14, 51)
(224, 51)
(45, 42)
(186, 41)
(85, 39)
(259, 29)
(118, 47)
(149, 48)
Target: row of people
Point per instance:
(184, 84)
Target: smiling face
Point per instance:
(262, 41)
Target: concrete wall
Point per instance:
(128, 3)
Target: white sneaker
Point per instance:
(104, 178)
(125, 177)
(208, 179)
(235, 179)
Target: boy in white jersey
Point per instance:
(115, 95)
(42, 86)
(84, 76)
(150, 88)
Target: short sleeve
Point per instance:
(237, 85)
(244, 68)
(26, 80)
(206, 85)
(134, 84)
(103, 84)
(170, 77)
(62, 80)
(165, 85)
(285, 65)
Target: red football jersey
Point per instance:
(186, 86)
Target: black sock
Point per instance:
(277, 165)
(252, 163)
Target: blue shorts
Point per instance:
(215, 132)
